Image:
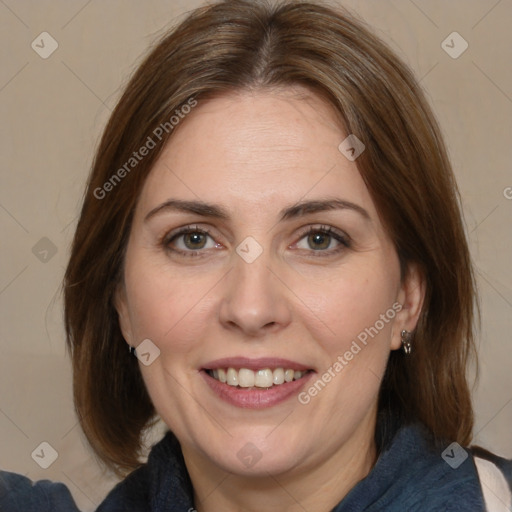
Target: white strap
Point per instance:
(495, 489)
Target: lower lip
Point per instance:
(254, 398)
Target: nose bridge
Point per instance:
(253, 300)
(252, 278)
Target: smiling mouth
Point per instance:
(266, 378)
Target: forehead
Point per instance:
(255, 149)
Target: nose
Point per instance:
(254, 302)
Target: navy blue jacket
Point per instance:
(410, 475)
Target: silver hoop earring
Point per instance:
(406, 342)
(132, 350)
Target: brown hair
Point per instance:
(237, 44)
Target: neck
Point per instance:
(316, 486)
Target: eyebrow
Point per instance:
(299, 209)
(308, 207)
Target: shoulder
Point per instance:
(418, 474)
(163, 479)
(18, 492)
(445, 475)
(442, 474)
(133, 493)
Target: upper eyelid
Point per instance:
(322, 228)
(303, 230)
(183, 230)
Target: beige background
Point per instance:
(53, 111)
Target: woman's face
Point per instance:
(257, 256)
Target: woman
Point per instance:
(271, 258)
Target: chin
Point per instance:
(257, 455)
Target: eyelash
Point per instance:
(343, 240)
(187, 230)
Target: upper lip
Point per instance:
(255, 364)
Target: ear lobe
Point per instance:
(121, 305)
(411, 297)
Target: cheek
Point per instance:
(352, 321)
(166, 308)
(356, 304)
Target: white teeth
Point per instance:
(264, 378)
(232, 377)
(245, 378)
(278, 377)
(288, 375)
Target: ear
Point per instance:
(121, 305)
(411, 297)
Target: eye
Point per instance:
(194, 240)
(322, 239)
(190, 240)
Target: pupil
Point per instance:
(194, 240)
(319, 241)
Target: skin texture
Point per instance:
(255, 154)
